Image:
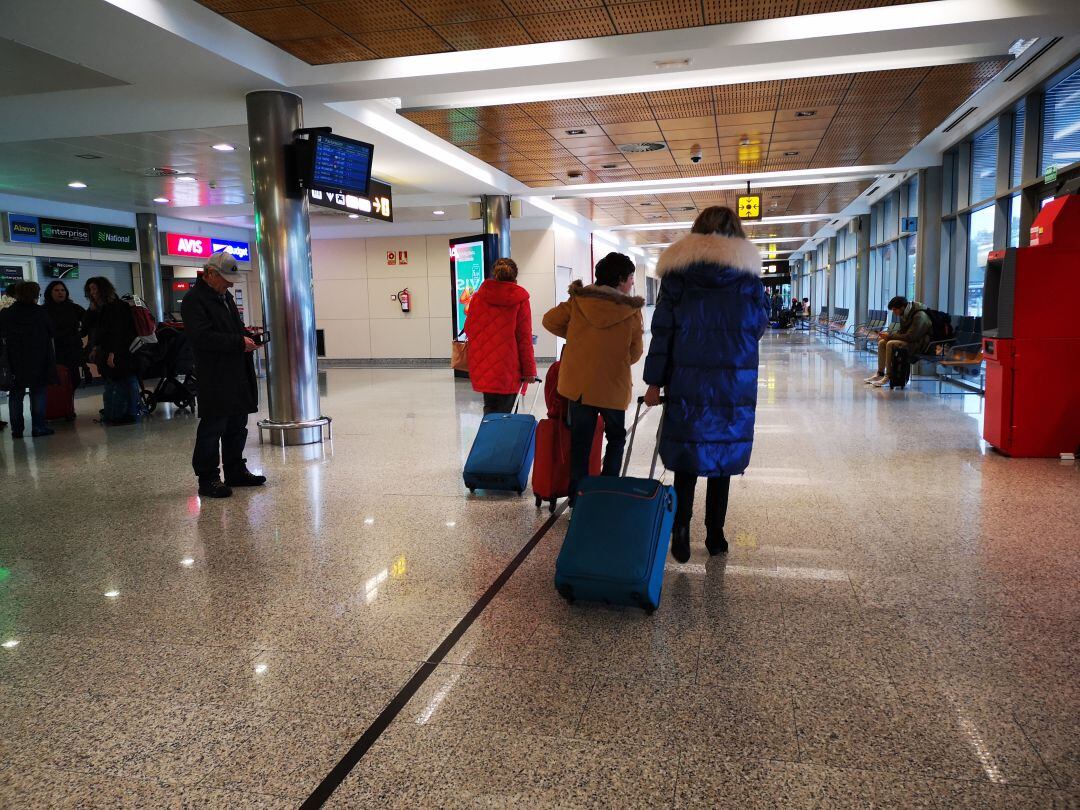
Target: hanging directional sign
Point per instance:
(749, 206)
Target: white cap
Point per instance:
(222, 262)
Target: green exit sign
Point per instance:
(1051, 174)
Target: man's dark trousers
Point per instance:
(220, 438)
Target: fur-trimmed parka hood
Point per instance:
(604, 306)
(721, 251)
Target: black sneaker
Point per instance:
(245, 478)
(214, 489)
(42, 432)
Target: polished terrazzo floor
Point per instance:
(897, 623)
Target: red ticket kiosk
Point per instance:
(1031, 338)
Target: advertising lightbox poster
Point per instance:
(468, 271)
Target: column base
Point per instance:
(305, 431)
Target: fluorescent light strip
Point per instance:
(719, 182)
(686, 225)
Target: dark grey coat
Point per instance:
(27, 334)
(225, 372)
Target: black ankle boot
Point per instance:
(716, 543)
(680, 543)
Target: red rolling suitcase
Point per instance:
(60, 398)
(551, 464)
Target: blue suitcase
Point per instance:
(502, 452)
(617, 541)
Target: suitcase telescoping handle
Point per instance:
(633, 433)
(519, 400)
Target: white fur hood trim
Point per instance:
(713, 249)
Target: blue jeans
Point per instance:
(37, 409)
(582, 430)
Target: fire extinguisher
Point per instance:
(403, 299)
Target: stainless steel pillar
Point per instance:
(150, 264)
(283, 242)
(862, 270)
(495, 212)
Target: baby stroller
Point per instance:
(169, 359)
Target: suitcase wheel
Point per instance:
(472, 490)
(551, 505)
(520, 492)
(567, 593)
(539, 501)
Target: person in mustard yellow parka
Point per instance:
(603, 328)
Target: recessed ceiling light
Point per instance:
(806, 113)
(438, 213)
(575, 132)
(112, 594)
(609, 165)
(186, 178)
(574, 173)
(790, 154)
(354, 216)
(671, 64)
(89, 156)
(223, 147)
(11, 644)
(76, 184)
(161, 199)
(187, 562)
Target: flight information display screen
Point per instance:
(340, 165)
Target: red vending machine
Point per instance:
(1031, 338)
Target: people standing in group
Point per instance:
(912, 331)
(499, 332)
(603, 328)
(704, 356)
(67, 322)
(111, 339)
(225, 369)
(27, 336)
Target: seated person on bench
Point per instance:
(912, 330)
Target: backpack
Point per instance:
(145, 325)
(941, 327)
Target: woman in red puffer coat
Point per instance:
(499, 329)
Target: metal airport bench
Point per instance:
(956, 359)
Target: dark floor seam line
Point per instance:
(340, 772)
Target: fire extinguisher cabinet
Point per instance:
(1031, 340)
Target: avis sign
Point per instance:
(202, 247)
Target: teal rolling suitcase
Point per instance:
(617, 541)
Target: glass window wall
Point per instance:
(1061, 124)
(984, 165)
(980, 243)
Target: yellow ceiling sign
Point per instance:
(749, 206)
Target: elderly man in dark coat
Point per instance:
(225, 370)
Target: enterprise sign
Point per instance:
(45, 231)
(378, 204)
(203, 247)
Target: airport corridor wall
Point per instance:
(355, 279)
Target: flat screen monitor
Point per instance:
(470, 264)
(340, 165)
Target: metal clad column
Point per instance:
(150, 264)
(495, 212)
(283, 242)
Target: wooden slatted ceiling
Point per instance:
(842, 120)
(329, 31)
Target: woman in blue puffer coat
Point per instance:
(709, 318)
